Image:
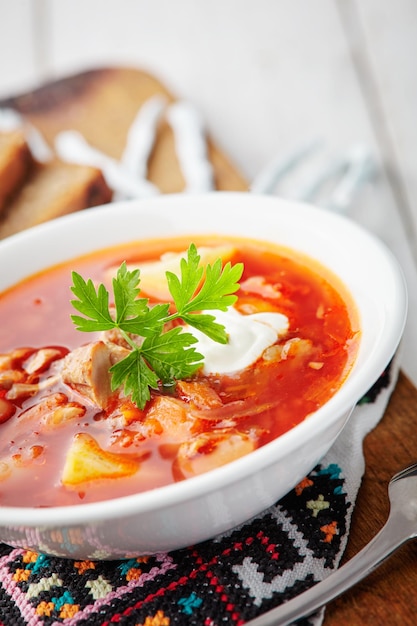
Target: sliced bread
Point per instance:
(16, 161)
(53, 189)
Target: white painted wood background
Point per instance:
(266, 75)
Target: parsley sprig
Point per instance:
(163, 355)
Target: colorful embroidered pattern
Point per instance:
(226, 581)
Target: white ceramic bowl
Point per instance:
(188, 512)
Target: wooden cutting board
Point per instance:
(102, 104)
(388, 597)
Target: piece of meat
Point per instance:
(53, 410)
(199, 394)
(86, 369)
(41, 359)
(169, 416)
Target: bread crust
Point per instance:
(16, 162)
(101, 104)
(53, 189)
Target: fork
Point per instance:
(400, 527)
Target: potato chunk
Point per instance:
(87, 461)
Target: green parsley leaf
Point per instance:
(164, 355)
(146, 324)
(183, 289)
(92, 303)
(126, 291)
(134, 374)
(206, 324)
(216, 291)
(170, 354)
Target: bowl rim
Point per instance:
(195, 487)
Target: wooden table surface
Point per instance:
(388, 596)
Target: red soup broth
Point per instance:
(186, 429)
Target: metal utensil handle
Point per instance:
(389, 538)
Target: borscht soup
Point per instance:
(71, 434)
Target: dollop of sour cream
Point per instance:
(249, 336)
